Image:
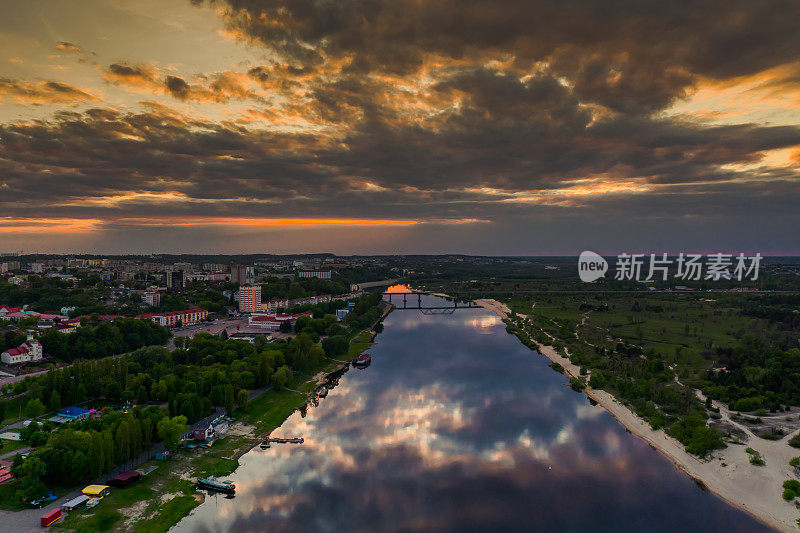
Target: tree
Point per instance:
(335, 346)
(229, 398)
(30, 474)
(34, 408)
(113, 391)
(108, 451)
(122, 442)
(96, 454)
(147, 432)
(170, 430)
(264, 370)
(281, 377)
(27, 432)
(141, 395)
(241, 399)
(135, 436)
(217, 395)
(38, 438)
(54, 404)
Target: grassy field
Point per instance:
(684, 329)
(11, 445)
(359, 343)
(155, 516)
(8, 499)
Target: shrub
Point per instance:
(576, 384)
(747, 404)
(789, 494)
(795, 461)
(794, 442)
(755, 457)
(792, 484)
(772, 434)
(702, 440)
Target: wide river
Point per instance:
(456, 426)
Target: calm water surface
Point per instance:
(456, 426)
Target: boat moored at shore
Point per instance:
(362, 361)
(220, 485)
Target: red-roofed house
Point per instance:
(273, 322)
(28, 351)
(6, 310)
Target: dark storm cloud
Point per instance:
(629, 55)
(501, 111)
(102, 152)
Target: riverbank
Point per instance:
(727, 473)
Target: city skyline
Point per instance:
(502, 128)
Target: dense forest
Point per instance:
(289, 287)
(47, 295)
(106, 338)
(754, 376)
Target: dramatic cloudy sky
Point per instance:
(352, 126)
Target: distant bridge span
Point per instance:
(413, 300)
(371, 284)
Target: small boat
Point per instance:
(362, 361)
(212, 483)
(92, 502)
(291, 440)
(323, 393)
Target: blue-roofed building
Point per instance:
(74, 413)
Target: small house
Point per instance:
(74, 413)
(97, 491)
(123, 479)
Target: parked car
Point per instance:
(38, 502)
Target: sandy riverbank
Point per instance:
(754, 489)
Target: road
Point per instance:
(7, 379)
(10, 455)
